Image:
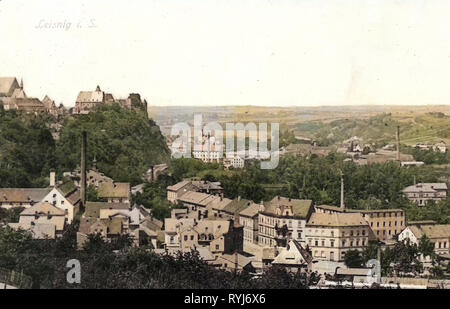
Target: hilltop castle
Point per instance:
(88, 100)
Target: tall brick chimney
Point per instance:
(83, 168)
(342, 192)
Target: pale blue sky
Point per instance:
(234, 52)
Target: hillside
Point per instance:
(124, 142)
(381, 129)
(26, 150)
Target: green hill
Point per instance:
(381, 129)
(124, 142)
(26, 149)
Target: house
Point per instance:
(217, 208)
(65, 197)
(198, 203)
(172, 228)
(330, 235)
(93, 209)
(108, 228)
(248, 218)
(175, 191)
(422, 193)
(283, 219)
(294, 257)
(22, 197)
(220, 236)
(208, 150)
(385, 224)
(203, 186)
(235, 262)
(440, 147)
(235, 162)
(439, 234)
(88, 100)
(115, 192)
(230, 209)
(93, 177)
(43, 220)
(13, 97)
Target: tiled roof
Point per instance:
(237, 205)
(90, 96)
(336, 219)
(431, 230)
(251, 210)
(425, 187)
(197, 198)
(43, 209)
(6, 83)
(300, 208)
(23, 195)
(178, 186)
(93, 208)
(114, 190)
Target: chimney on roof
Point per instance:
(83, 167)
(398, 143)
(342, 192)
(52, 179)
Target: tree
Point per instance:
(353, 259)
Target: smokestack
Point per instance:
(52, 179)
(398, 143)
(83, 168)
(342, 192)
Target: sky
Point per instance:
(234, 52)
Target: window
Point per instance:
(316, 243)
(332, 243)
(185, 238)
(217, 247)
(192, 237)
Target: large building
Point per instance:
(385, 224)
(177, 190)
(249, 219)
(422, 193)
(115, 192)
(439, 234)
(43, 220)
(89, 100)
(13, 97)
(283, 219)
(330, 235)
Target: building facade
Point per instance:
(330, 236)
